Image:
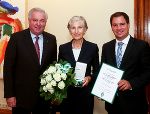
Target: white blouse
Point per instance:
(76, 53)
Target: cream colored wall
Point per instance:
(96, 12)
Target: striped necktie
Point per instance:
(36, 44)
(119, 54)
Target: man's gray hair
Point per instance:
(37, 10)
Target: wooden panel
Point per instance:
(138, 19)
(142, 19)
(142, 27)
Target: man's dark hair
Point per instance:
(118, 14)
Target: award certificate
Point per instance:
(106, 83)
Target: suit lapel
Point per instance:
(70, 52)
(45, 47)
(30, 46)
(83, 50)
(127, 51)
(112, 54)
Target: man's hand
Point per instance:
(11, 102)
(124, 85)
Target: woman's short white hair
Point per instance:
(75, 19)
(37, 10)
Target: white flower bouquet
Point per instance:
(55, 80)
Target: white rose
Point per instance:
(59, 71)
(48, 86)
(51, 69)
(45, 88)
(51, 90)
(45, 72)
(48, 78)
(53, 83)
(57, 77)
(43, 81)
(61, 85)
(63, 76)
(58, 66)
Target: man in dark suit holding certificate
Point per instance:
(27, 56)
(132, 56)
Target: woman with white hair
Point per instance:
(79, 99)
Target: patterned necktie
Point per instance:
(119, 54)
(36, 44)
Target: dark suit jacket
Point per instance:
(136, 64)
(81, 98)
(22, 69)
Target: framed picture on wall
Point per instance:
(13, 19)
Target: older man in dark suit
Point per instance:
(132, 56)
(28, 54)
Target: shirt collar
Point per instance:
(33, 35)
(125, 41)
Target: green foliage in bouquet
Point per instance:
(55, 80)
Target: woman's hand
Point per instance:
(86, 80)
